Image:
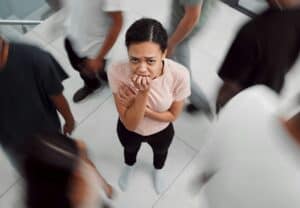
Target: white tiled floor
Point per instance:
(97, 116)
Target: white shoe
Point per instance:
(158, 180)
(124, 177)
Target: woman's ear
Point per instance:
(165, 54)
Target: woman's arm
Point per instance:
(131, 115)
(167, 116)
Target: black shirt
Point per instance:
(29, 78)
(264, 49)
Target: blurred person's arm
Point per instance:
(84, 155)
(185, 26)
(168, 116)
(238, 66)
(63, 107)
(111, 37)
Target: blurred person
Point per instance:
(263, 51)
(31, 93)
(187, 19)
(58, 173)
(149, 92)
(92, 29)
(55, 4)
(253, 156)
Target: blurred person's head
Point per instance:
(284, 3)
(146, 42)
(52, 172)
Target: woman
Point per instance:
(149, 92)
(57, 173)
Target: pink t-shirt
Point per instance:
(173, 85)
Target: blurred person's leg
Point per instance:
(55, 4)
(198, 99)
(91, 83)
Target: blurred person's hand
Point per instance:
(171, 50)
(69, 127)
(94, 65)
(109, 191)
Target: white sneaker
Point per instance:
(158, 180)
(124, 177)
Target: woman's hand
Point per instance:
(148, 111)
(142, 83)
(126, 95)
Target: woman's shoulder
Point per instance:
(176, 69)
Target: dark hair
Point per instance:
(49, 163)
(146, 29)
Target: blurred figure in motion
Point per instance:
(55, 4)
(31, 93)
(263, 51)
(92, 29)
(187, 19)
(57, 173)
(253, 157)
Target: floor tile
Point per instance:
(8, 175)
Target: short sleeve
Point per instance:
(112, 5)
(51, 74)
(114, 77)
(239, 62)
(182, 88)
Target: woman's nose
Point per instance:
(142, 68)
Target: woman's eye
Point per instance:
(134, 61)
(151, 61)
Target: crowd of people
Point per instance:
(150, 91)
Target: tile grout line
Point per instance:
(187, 144)
(97, 108)
(10, 187)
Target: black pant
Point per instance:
(90, 80)
(159, 142)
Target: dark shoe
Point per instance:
(192, 109)
(82, 93)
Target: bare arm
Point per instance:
(167, 116)
(186, 25)
(63, 107)
(133, 114)
(112, 34)
(84, 155)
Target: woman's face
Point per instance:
(146, 59)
